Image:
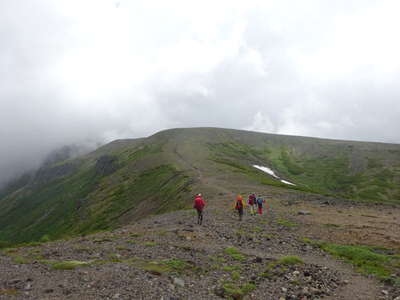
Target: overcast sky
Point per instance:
(88, 71)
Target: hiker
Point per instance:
(260, 202)
(252, 203)
(199, 204)
(239, 206)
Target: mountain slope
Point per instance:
(130, 179)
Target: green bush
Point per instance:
(234, 253)
(289, 260)
(68, 265)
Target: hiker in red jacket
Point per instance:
(199, 204)
(239, 206)
(252, 203)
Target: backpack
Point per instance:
(239, 204)
(252, 199)
(259, 201)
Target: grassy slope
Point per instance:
(353, 170)
(128, 179)
(95, 196)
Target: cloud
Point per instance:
(95, 70)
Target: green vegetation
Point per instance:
(237, 291)
(45, 238)
(69, 265)
(21, 260)
(58, 203)
(376, 261)
(135, 235)
(368, 260)
(165, 266)
(9, 292)
(231, 268)
(234, 253)
(292, 167)
(130, 179)
(289, 260)
(285, 223)
(217, 259)
(155, 267)
(177, 265)
(345, 169)
(150, 244)
(235, 275)
(280, 266)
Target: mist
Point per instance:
(88, 72)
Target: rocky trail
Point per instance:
(170, 257)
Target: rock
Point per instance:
(284, 290)
(179, 281)
(116, 296)
(347, 282)
(385, 292)
(14, 281)
(258, 260)
(154, 272)
(219, 291)
(28, 287)
(296, 273)
(303, 212)
(48, 291)
(315, 291)
(397, 298)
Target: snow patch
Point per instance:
(266, 170)
(287, 182)
(272, 173)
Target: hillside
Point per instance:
(127, 180)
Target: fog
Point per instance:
(87, 72)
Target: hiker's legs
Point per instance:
(201, 217)
(240, 210)
(251, 209)
(260, 210)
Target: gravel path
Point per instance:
(169, 257)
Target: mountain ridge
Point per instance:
(132, 178)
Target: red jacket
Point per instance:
(252, 199)
(199, 203)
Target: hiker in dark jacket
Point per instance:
(199, 205)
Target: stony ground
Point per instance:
(170, 257)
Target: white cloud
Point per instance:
(101, 69)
